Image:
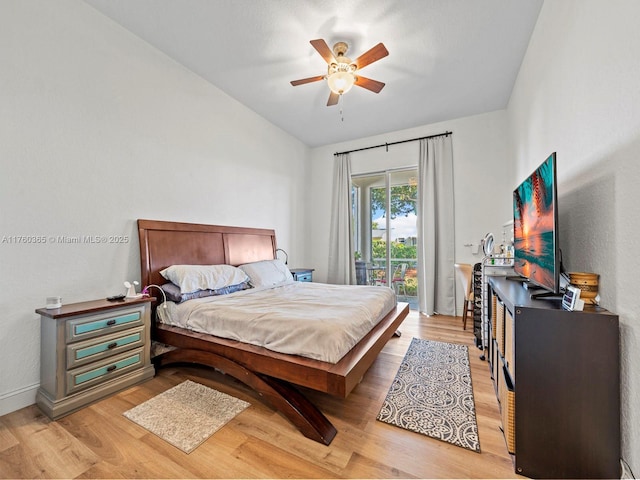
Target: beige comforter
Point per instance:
(314, 320)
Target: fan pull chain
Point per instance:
(341, 101)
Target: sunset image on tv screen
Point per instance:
(534, 226)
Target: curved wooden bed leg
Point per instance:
(283, 396)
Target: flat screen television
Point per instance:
(535, 228)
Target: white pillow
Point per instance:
(191, 278)
(267, 273)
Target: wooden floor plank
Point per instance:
(45, 449)
(99, 442)
(7, 439)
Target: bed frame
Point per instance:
(273, 375)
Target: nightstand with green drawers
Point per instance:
(302, 274)
(91, 350)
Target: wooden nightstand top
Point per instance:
(82, 308)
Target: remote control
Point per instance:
(116, 297)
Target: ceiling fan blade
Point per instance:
(371, 55)
(333, 99)
(373, 85)
(323, 49)
(302, 81)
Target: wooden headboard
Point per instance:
(199, 245)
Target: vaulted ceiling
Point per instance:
(447, 58)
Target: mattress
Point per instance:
(313, 320)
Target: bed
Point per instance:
(272, 374)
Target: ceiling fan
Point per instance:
(341, 71)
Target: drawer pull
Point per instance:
(112, 345)
(111, 322)
(111, 368)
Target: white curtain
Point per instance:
(436, 278)
(342, 268)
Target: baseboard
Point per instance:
(626, 470)
(23, 397)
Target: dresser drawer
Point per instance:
(92, 350)
(102, 324)
(506, 394)
(94, 373)
(302, 274)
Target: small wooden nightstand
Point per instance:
(302, 274)
(91, 350)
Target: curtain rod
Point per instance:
(445, 134)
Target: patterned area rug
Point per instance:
(432, 394)
(187, 414)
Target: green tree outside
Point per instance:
(403, 202)
(399, 251)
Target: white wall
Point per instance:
(577, 94)
(98, 129)
(479, 157)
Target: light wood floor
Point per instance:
(98, 442)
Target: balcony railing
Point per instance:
(375, 273)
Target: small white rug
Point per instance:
(187, 414)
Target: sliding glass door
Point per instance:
(385, 230)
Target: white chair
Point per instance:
(398, 279)
(464, 273)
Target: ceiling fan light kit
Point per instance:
(341, 73)
(341, 82)
(341, 70)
